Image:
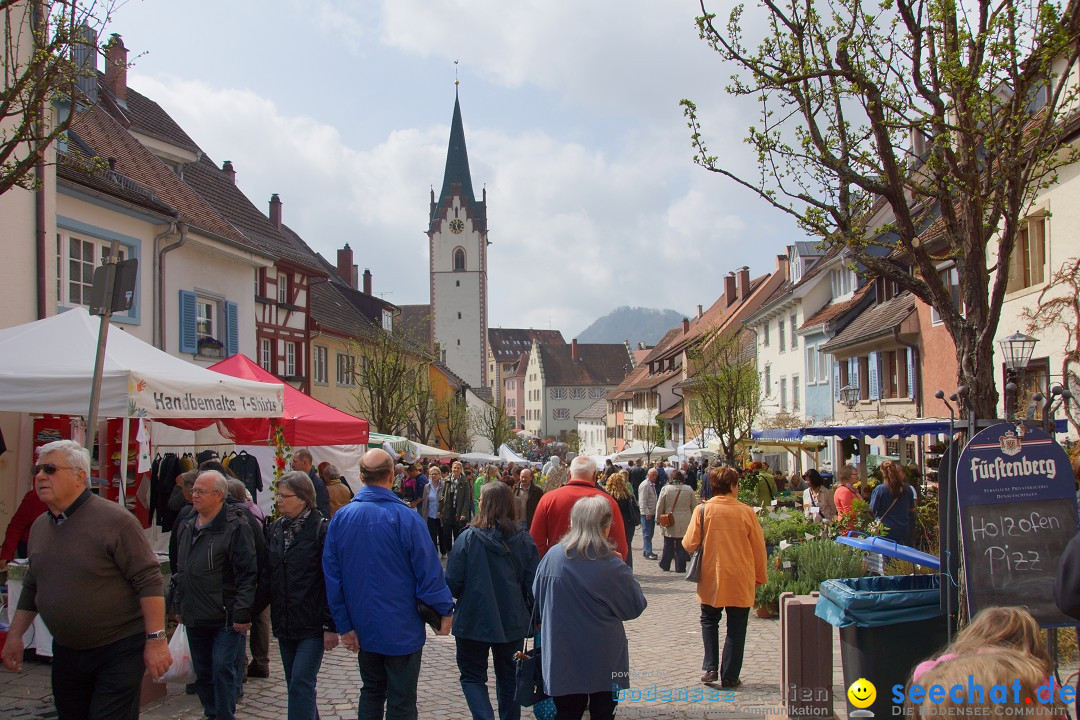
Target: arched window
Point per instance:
(459, 259)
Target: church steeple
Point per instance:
(457, 159)
(457, 178)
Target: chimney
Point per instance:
(275, 211)
(229, 170)
(344, 263)
(685, 325)
(699, 313)
(367, 281)
(782, 265)
(573, 350)
(729, 289)
(116, 61)
(744, 282)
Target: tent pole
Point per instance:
(121, 496)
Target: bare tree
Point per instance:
(384, 370)
(724, 389)
(1059, 308)
(455, 421)
(494, 424)
(424, 407)
(923, 129)
(47, 46)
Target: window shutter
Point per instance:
(232, 329)
(836, 380)
(853, 371)
(874, 375)
(910, 373)
(189, 342)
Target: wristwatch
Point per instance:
(159, 635)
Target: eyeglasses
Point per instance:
(285, 496)
(50, 468)
(200, 491)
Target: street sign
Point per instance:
(1017, 502)
(122, 277)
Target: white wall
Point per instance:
(463, 292)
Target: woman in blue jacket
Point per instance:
(584, 593)
(490, 571)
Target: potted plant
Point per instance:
(757, 454)
(211, 346)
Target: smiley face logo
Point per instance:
(862, 693)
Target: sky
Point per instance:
(572, 121)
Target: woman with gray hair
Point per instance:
(299, 612)
(584, 583)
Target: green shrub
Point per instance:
(815, 561)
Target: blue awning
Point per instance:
(901, 429)
(777, 434)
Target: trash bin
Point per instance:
(887, 624)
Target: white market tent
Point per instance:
(478, 458)
(509, 456)
(639, 451)
(47, 366)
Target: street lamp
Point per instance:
(1017, 349)
(849, 395)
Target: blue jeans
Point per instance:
(214, 653)
(301, 659)
(472, 656)
(647, 526)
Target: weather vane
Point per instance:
(456, 83)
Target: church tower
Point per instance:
(457, 233)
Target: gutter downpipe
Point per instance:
(916, 392)
(159, 276)
(40, 232)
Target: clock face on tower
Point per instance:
(457, 225)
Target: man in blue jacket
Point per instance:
(379, 561)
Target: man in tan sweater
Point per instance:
(97, 584)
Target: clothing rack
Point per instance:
(191, 445)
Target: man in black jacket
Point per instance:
(213, 590)
(637, 476)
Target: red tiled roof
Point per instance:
(875, 321)
(623, 390)
(835, 309)
(508, 343)
(111, 183)
(109, 139)
(598, 364)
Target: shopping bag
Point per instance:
(693, 568)
(182, 670)
(529, 677)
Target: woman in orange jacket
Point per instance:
(732, 566)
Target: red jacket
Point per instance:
(18, 530)
(552, 517)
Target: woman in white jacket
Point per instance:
(678, 500)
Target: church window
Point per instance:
(459, 316)
(458, 283)
(459, 260)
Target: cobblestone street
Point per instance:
(665, 649)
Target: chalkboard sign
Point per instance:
(1017, 503)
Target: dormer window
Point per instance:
(459, 259)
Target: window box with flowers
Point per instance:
(211, 347)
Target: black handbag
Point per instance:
(429, 615)
(693, 568)
(529, 676)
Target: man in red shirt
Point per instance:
(552, 517)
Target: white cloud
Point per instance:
(577, 229)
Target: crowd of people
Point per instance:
(524, 556)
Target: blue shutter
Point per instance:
(836, 380)
(232, 329)
(872, 368)
(853, 371)
(189, 341)
(910, 373)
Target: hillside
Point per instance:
(635, 325)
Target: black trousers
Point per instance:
(434, 527)
(572, 707)
(101, 683)
(734, 643)
(390, 681)
(448, 534)
(673, 549)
